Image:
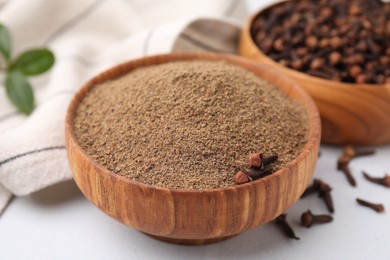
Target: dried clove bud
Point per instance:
(361, 46)
(377, 207)
(362, 78)
(260, 167)
(242, 176)
(385, 181)
(269, 159)
(255, 160)
(311, 42)
(350, 152)
(324, 193)
(316, 63)
(354, 10)
(347, 172)
(343, 160)
(313, 188)
(308, 219)
(323, 189)
(355, 70)
(334, 57)
(302, 51)
(278, 44)
(286, 228)
(335, 42)
(297, 64)
(354, 152)
(256, 173)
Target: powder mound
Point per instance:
(188, 124)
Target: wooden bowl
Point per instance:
(351, 113)
(194, 216)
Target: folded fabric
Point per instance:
(87, 37)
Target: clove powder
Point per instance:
(188, 124)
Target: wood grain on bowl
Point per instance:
(194, 216)
(350, 113)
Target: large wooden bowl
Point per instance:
(194, 216)
(350, 113)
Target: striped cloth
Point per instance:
(89, 36)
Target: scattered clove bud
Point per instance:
(343, 160)
(324, 193)
(385, 181)
(343, 165)
(286, 228)
(350, 152)
(323, 189)
(377, 207)
(313, 188)
(353, 152)
(308, 219)
(347, 172)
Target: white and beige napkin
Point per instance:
(87, 37)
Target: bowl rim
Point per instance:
(296, 73)
(313, 138)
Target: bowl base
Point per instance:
(194, 242)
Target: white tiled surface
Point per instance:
(59, 223)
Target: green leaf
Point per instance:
(34, 62)
(19, 91)
(5, 42)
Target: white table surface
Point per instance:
(59, 223)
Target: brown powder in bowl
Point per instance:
(188, 124)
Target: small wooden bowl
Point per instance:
(194, 216)
(351, 113)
